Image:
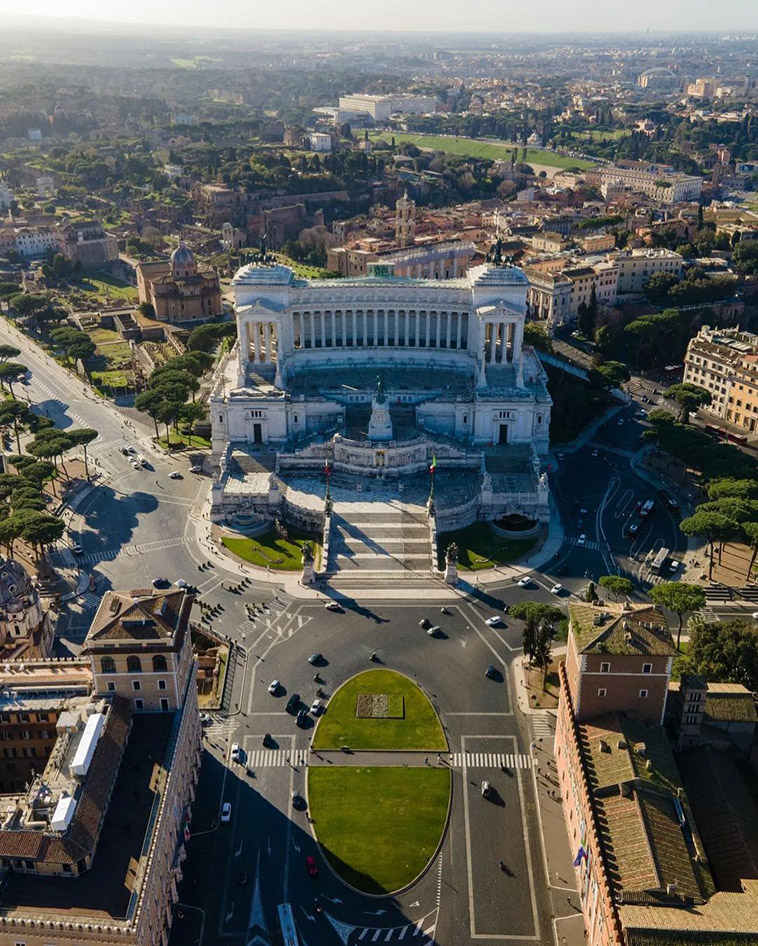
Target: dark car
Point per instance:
(293, 702)
(316, 659)
(632, 529)
(302, 716)
(490, 672)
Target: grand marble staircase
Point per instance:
(372, 540)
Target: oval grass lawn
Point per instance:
(378, 826)
(400, 716)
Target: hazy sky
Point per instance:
(427, 15)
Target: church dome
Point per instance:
(15, 585)
(182, 256)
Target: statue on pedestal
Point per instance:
(451, 564)
(308, 576)
(380, 424)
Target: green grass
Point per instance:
(184, 440)
(478, 148)
(479, 547)
(305, 271)
(269, 549)
(378, 826)
(419, 729)
(103, 336)
(106, 285)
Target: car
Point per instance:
(561, 456)
(302, 715)
(669, 500)
(494, 621)
(125, 451)
(141, 460)
(161, 583)
(196, 468)
(490, 672)
(755, 615)
(267, 740)
(175, 475)
(620, 422)
(292, 703)
(298, 801)
(556, 589)
(311, 866)
(273, 687)
(130, 449)
(641, 413)
(486, 789)
(236, 752)
(180, 583)
(226, 812)
(316, 707)
(77, 549)
(434, 630)
(135, 465)
(205, 719)
(595, 452)
(582, 512)
(632, 529)
(315, 658)
(524, 582)
(333, 606)
(425, 623)
(675, 565)
(582, 540)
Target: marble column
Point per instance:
(518, 340)
(493, 341)
(439, 330)
(448, 328)
(257, 336)
(267, 341)
(460, 330)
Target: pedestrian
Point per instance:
(439, 759)
(426, 760)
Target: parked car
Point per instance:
(226, 812)
(302, 715)
(161, 583)
(273, 687)
(175, 475)
(236, 752)
(556, 589)
(675, 566)
(434, 630)
(292, 703)
(316, 707)
(486, 789)
(425, 623)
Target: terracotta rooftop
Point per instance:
(613, 629)
(141, 615)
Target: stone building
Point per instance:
(179, 290)
(405, 221)
(93, 846)
(725, 363)
(88, 244)
(25, 627)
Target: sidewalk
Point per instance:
(568, 922)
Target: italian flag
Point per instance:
(433, 464)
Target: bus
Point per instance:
(647, 508)
(287, 925)
(659, 559)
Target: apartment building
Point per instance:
(380, 107)
(548, 297)
(635, 267)
(661, 182)
(92, 848)
(36, 241)
(724, 362)
(644, 868)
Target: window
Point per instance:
(643, 694)
(107, 665)
(136, 685)
(161, 684)
(605, 667)
(647, 668)
(134, 664)
(111, 686)
(159, 663)
(164, 705)
(138, 704)
(602, 691)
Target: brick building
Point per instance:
(179, 290)
(88, 244)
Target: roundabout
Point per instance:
(379, 809)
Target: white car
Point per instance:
(135, 465)
(524, 582)
(316, 707)
(236, 752)
(494, 621)
(675, 566)
(141, 460)
(196, 468)
(755, 615)
(273, 687)
(226, 812)
(333, 606)
(180, 583)
(175, 475)
(582, 539)
(556, 589)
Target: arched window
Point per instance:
(159, 663)
(107, 665)
(134, 665)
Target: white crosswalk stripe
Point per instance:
(587, 544)
(92, 558)
(100, 446)
(618, 451)
(541, 725)
(490, 760)
(219, 728)
(276, 758)
(413, 933)
(56, 400)
(89, 600)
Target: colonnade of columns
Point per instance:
(263, 342)
(361, 328)
(503, 341)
